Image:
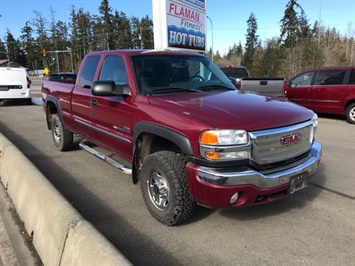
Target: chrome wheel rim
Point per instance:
(56, 133)
(352, 114)
(158, 190)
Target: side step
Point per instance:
(105, 158)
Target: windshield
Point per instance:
(161, 74)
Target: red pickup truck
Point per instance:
(183, 131)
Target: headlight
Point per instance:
(315, 120)
(224, 137)
(314, 130)
(225, 145)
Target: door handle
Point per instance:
(93, 102)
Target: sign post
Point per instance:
(180, 24)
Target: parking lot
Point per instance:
(315, 226)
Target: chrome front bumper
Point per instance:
(252, 177)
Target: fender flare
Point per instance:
(55, 101)
(176, 137)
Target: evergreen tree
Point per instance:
(290, 24)
(137, 41)
(251, 41)
(239, 50)
(11, 47)
(106, 25)
(147, 35)
(232, 51)
(122, 30)
(272, 60)
(29, 47)
(3, 54)
(40, 25)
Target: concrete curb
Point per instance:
(59, 233)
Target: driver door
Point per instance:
(111, 117)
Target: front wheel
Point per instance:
(62, 138)
(165, 189)
(350, 113)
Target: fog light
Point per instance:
(234, 198)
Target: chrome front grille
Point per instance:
(280, 144)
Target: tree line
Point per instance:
(60, 45)
(300, 46)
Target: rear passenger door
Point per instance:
(329, 91)
(81, 97)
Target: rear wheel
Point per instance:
(165, 189)
(62, 138)
(350, 113)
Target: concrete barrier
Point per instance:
(60, 234)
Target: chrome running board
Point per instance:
(105, 158)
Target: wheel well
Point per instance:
(147, 144)
(51, 109)
(348, 103)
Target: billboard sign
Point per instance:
(180, 24)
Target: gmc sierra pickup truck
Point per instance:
(239, 76)
(182, 131)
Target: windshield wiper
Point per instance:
(171, 90)
(212, 87)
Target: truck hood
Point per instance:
(234, 109)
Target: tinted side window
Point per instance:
(88, 72)
(114, 69)
(330, 77)
(352, 77)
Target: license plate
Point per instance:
(298, 182)
(4, 88)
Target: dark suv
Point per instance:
(328, 90)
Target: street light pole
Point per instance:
(212, 35)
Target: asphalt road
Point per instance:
(315, 226)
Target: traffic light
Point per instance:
(44, 52)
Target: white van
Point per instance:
(14, 84)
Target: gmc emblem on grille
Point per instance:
(294, 138)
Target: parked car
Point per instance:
(15, 84)
(64, 77)
(328, 90)
(239, 76)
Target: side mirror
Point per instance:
(291, 84)
(109, 88)
(233, 80)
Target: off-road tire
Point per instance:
(350, 113)
(62, 138)
(165, 188)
